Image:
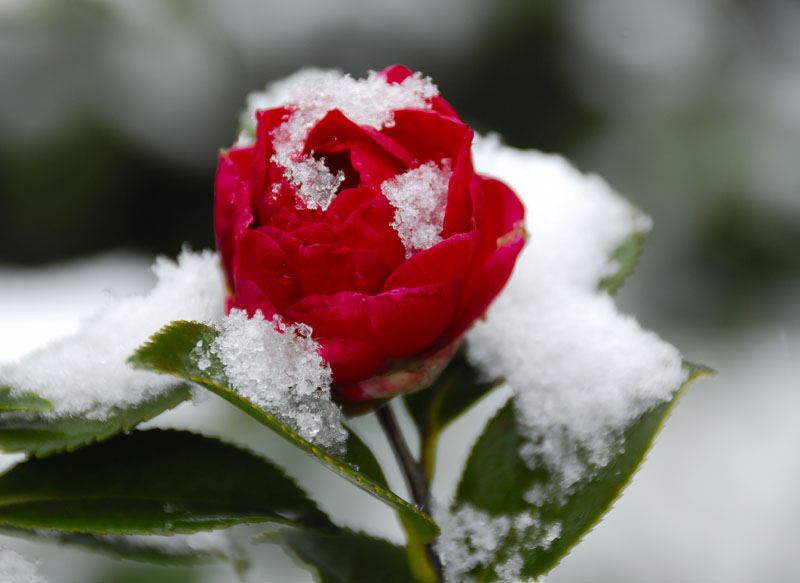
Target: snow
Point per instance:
(419, 197)
(87, 373)
(580, 370)
(309, 95)
(278, 368)
(471, 538)
(16, 569)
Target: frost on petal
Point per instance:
(419, 197)
(14, 568)
(310, 94)
(87, 373)
(278, 368)
(581, 371)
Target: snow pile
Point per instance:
(419, 197)
(309, 95)
(580, 370)
(278, 368)
(16, 569)
(87, 373)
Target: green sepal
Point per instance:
(153, 482)
(43, 434)
(180, 348)
(496, 479)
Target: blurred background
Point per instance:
(112, 113)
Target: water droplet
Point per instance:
(286, 280)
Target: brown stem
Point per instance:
(414, 474)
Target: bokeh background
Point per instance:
(112, 113)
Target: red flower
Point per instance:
(357, 211)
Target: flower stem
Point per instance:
(415, 477)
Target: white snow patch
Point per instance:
(472, 538)
(310, 94)
(278, 368)
(469, 538)
(87, 373)
(580, 370)
(419, 197)
(14, 568)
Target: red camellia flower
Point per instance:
(355, 209)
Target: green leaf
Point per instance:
(496, 480)
(182, 349)
(152, 482)
(25, 401)
(625, 256)
(457, 389)
(147, 549)
(44, 434)
(349, 556)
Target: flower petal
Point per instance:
(351, 360)
(449, 260)
(328, 269)
(428, 135)
(250, 298)
(260, 260)
(232, 213)
(368, 226)
(399, 322)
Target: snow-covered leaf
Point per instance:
(153, 482)
(349, 556)
(183, 349)
(22, 402)
(512, 521)
(42, 434)
(624, 258)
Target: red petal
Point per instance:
(458, 215)
(499, 215)
(371, 153)
(250, 297)
(369, 227)
(449, 260)
(374, 164)
(328, 269)
(487, 282)
(396, 73)
(351, 360)
(428, 135)
(498, 212)
(267, 121)
(346, 202)
(232, 214)
(315, 233)
(399, 322)
(501, 211)
(260, 259)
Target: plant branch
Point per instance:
(414, 474)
